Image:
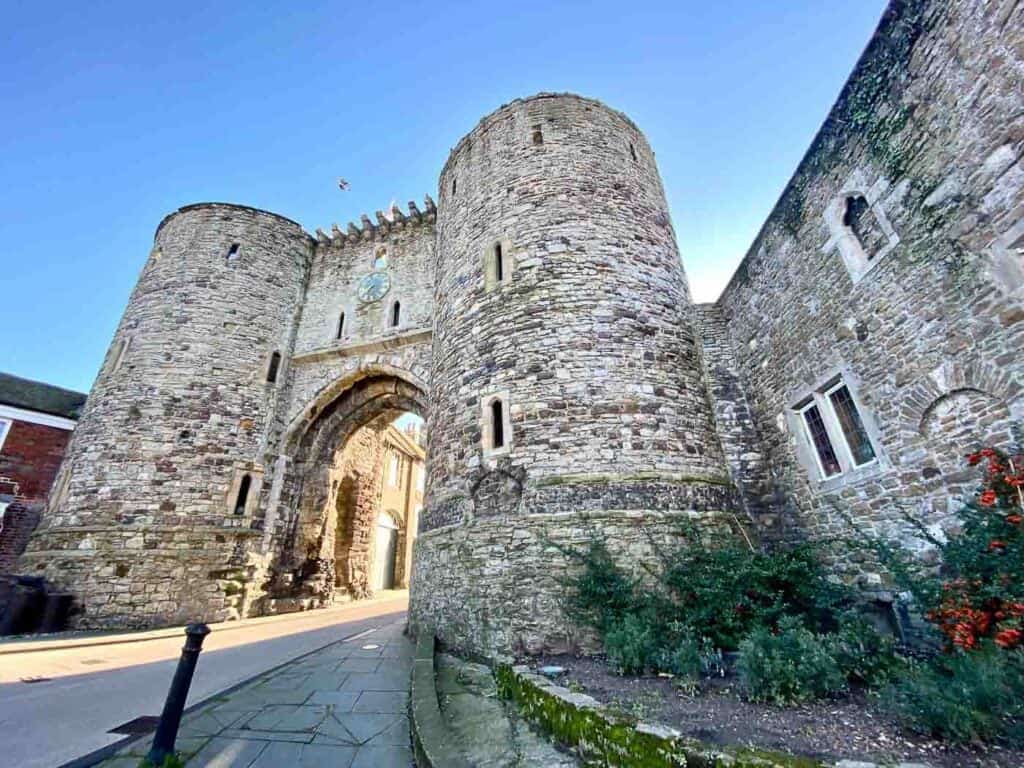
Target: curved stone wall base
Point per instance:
(495, 587)
(137, 577)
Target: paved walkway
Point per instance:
(344, 706)
(93, 688)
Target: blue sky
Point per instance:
(118, 113)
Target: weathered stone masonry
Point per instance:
(870, 337)
(928, 132)
(586, 343)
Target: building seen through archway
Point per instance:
(360, 498)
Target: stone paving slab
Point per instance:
(344, 706)
(488, 731)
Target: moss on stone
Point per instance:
(615, 740)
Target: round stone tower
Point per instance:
(152, 518)
(566, 391)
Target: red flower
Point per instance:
(1014, 519)
(996, 544)
(987, 498)
(1009, 638)
(974, 458)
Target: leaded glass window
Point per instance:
(820, 440)
(852, 425)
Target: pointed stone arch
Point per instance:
(330, 481)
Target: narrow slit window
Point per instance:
(341, 325)
(538, 137)
(232, 254)
(826, 454)
(243, 495)
(632, 152)
(497, 424)
(121, 351)
(852, 425)
(454, 186)
(499, 272)
(275, 364)
(396, 314)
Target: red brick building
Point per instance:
(36, 421)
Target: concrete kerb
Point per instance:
(432, 741)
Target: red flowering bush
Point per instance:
(981, 595)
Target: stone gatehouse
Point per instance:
(539, 317)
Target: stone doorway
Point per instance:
(358, 485)
(386, 552)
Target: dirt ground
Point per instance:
(843, 728)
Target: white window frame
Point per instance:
(801, 411)
(834, 425)
(3, 512)
(5, 429)
(842, 237)
(821, 396)
(394, 465)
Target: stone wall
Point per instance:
(336, 384)
(496, 589)
(549, 282)
(735, 425)
(582, 336)
(352, 509)
(144, 529)
(587, 333)
(914, 294)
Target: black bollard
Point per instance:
(170, 718)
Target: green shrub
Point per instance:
(602, 595)
(720, 592)
(977, 594)
(864, 654)
(792, 666)
(725, 592)
(631, 645)
(962, 697)
(682, 655)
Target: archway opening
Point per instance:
(359, 480)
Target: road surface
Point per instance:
(58, 704)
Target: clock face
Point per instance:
(374, 286)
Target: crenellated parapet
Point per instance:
(386, 223)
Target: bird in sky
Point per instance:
(342, 184)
